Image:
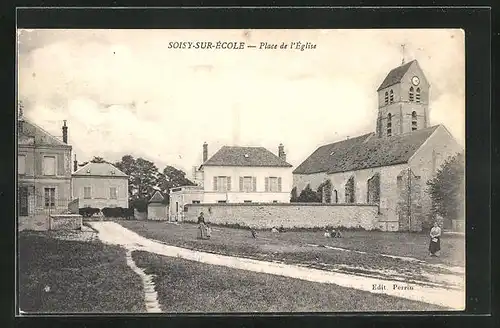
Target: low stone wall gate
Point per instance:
(288, 215)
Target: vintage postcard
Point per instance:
(219, 171)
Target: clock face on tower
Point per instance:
(415, 80)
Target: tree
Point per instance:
(293, 195)
(172, 178)
(308, 196)
(447, 189)
(98, 159)
(144, 179)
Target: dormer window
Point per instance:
(411, 94)
(88, 171)
(391, 96)
(246, 155)
(113, 172)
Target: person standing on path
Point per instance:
(435, 242)
(202, 233)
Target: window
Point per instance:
(112, 193)
(221, 201)
(392, 96)
(247, 201)
(21, 164)
(373, 189)
(417, 95)
(196, 201)
(411, 94)
(50, 197)
(335, 197)
(87, 193)
(389, 124)
(275, 201)
(273, 184)
(49, 165)
(248, 184)
(413, 121)
(386, 97)
(350, 196)
(222, 184)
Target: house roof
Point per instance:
(395, 75)
(157, 197)
(245, 156)
(99, 169)
(366, 151)
(37, 134)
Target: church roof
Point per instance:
(245, 156)
(366, 151)
(395, 75)
(157, 197)
(99, 169)
(31, 134)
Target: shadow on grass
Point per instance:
(57, 276)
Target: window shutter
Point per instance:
(254, 181)
(241, 183)
(228, 183)
(267, 184)
(279, 184)
(215, 183)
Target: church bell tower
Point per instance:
(403, 101)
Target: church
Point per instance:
(391, 166)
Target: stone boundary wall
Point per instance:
(288, 215)
(65, 222)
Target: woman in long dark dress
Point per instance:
(435, 242)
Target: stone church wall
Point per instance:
(427, 161)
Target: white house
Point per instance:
(100, 185)
(237, 175)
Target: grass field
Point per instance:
(82, 276)
(186, 286)
(291, 247)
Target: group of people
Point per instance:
(333, 233)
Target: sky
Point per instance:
(125, 92)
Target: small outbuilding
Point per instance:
(157, 209)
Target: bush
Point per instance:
(88, 212)
(308, 196)
(117, 212)
(141, 205)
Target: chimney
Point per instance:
(75, 164)
(65, 132)
(205, 152)
(281, 152)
